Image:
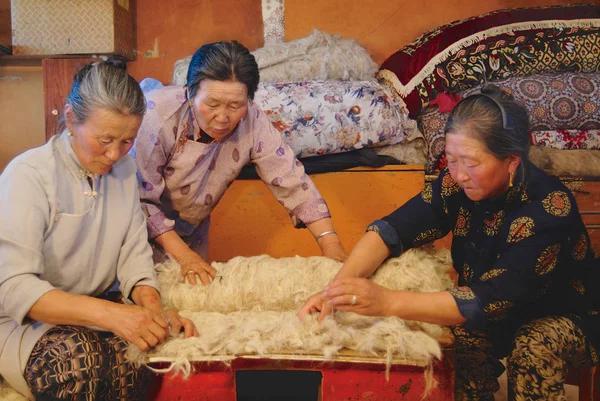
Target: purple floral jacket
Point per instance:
(181, 180)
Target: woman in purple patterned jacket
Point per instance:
(193, 142)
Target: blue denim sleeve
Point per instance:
(470, 307)
(389, 235)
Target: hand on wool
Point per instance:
(358, 295)
(176, 323)
(315, 304)
(192, 265)
(138, 325)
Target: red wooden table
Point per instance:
(349, 376)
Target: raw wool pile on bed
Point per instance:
(250, 308)
(180, 70)
(316, 57)
(7, 393)
(582, 163)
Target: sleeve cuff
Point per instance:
(14, 301)
(309, 212)
(389, 235)
(159, 224)
(470, 307)
(138, 279)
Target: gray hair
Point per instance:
(496, 119)
(223, 61)
(105, 85)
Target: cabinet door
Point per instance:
(58, 79)
(249, 220)
(587, 195)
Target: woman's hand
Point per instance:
(193, 265)
(327, 239)
(176, 323)
(332, 248)
(335, 251)
(138, 325)
(314, 304)
(358, 295)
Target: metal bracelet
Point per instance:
(324, 233)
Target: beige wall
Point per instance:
(21, 111)
(170, 30)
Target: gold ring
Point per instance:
(190, 272)
(353, 300)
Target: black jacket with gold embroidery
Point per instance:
(522, 255)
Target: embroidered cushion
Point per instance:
(563, 109)
(432, 124)
(496, 45)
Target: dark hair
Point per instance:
(494, 117)
(223, 61)
(106, 85)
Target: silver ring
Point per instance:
(353, 300)
(190, 272)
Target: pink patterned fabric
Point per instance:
(182, 180)
(273, 23)
(567, 139)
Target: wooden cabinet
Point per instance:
(32, 98)
(5, 25)
(249, 220)
(58, 79)
(587, 195)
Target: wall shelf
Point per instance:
(9, 60)
(36, 60)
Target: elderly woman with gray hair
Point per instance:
(71, 228)
(193, 143)
(528, 281)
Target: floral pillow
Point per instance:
(318, 118)
(496, 45)
(555, 103)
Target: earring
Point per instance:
(69, 133)
(511, 178)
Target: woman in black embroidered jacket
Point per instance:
(528, 279)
